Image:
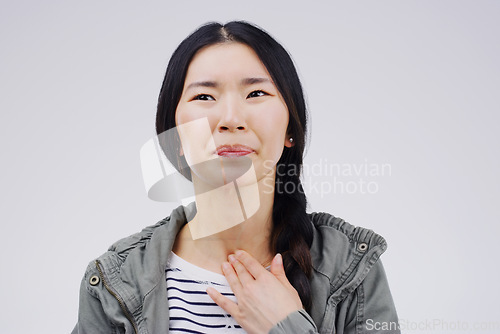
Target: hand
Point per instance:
(264, 298)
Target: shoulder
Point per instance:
(131, 267)
(120, 250)
(142, 249)
(111, 267)
(340, 249)
(160, 234)
(348, 273)
(336, 229)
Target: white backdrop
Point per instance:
(404, 106)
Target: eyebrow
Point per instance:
(251, 81)
(214, 84)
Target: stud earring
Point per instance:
(291, 140)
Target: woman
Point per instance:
(245, 257)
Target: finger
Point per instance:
(243, 275)
(227, 305)
(251, 264)
(278, 270)
(232, 278)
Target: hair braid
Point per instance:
(292, 235)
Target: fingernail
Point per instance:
(231, 258)
(225, 266)
(238, 252)
(279, 260)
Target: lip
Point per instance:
(235, 150)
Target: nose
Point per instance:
(232, 117)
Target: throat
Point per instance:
(210, 252)
(237, 215)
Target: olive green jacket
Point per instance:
(124, 290)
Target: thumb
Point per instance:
(277, 268)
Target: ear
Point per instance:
(289, 141)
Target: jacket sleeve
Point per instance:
(299, 322)
(91, 316)
(370, 307)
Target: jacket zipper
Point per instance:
(120, 301)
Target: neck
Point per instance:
(235, 216)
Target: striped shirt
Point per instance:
(191, 308)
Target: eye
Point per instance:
(257, 93)
(204, 97)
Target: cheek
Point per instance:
(276, 123)
(185, 114)
(195, 135)
(182, 115)
(274, 130)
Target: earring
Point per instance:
(291, 140)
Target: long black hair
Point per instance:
(292, 231)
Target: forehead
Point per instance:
(225, 61)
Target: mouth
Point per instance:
(235, 150)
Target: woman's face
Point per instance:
(231, 112)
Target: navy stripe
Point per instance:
(197, 292)
(185, 330)
(193, 303)
(187, 291)
(198, 314)
(197, 323)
